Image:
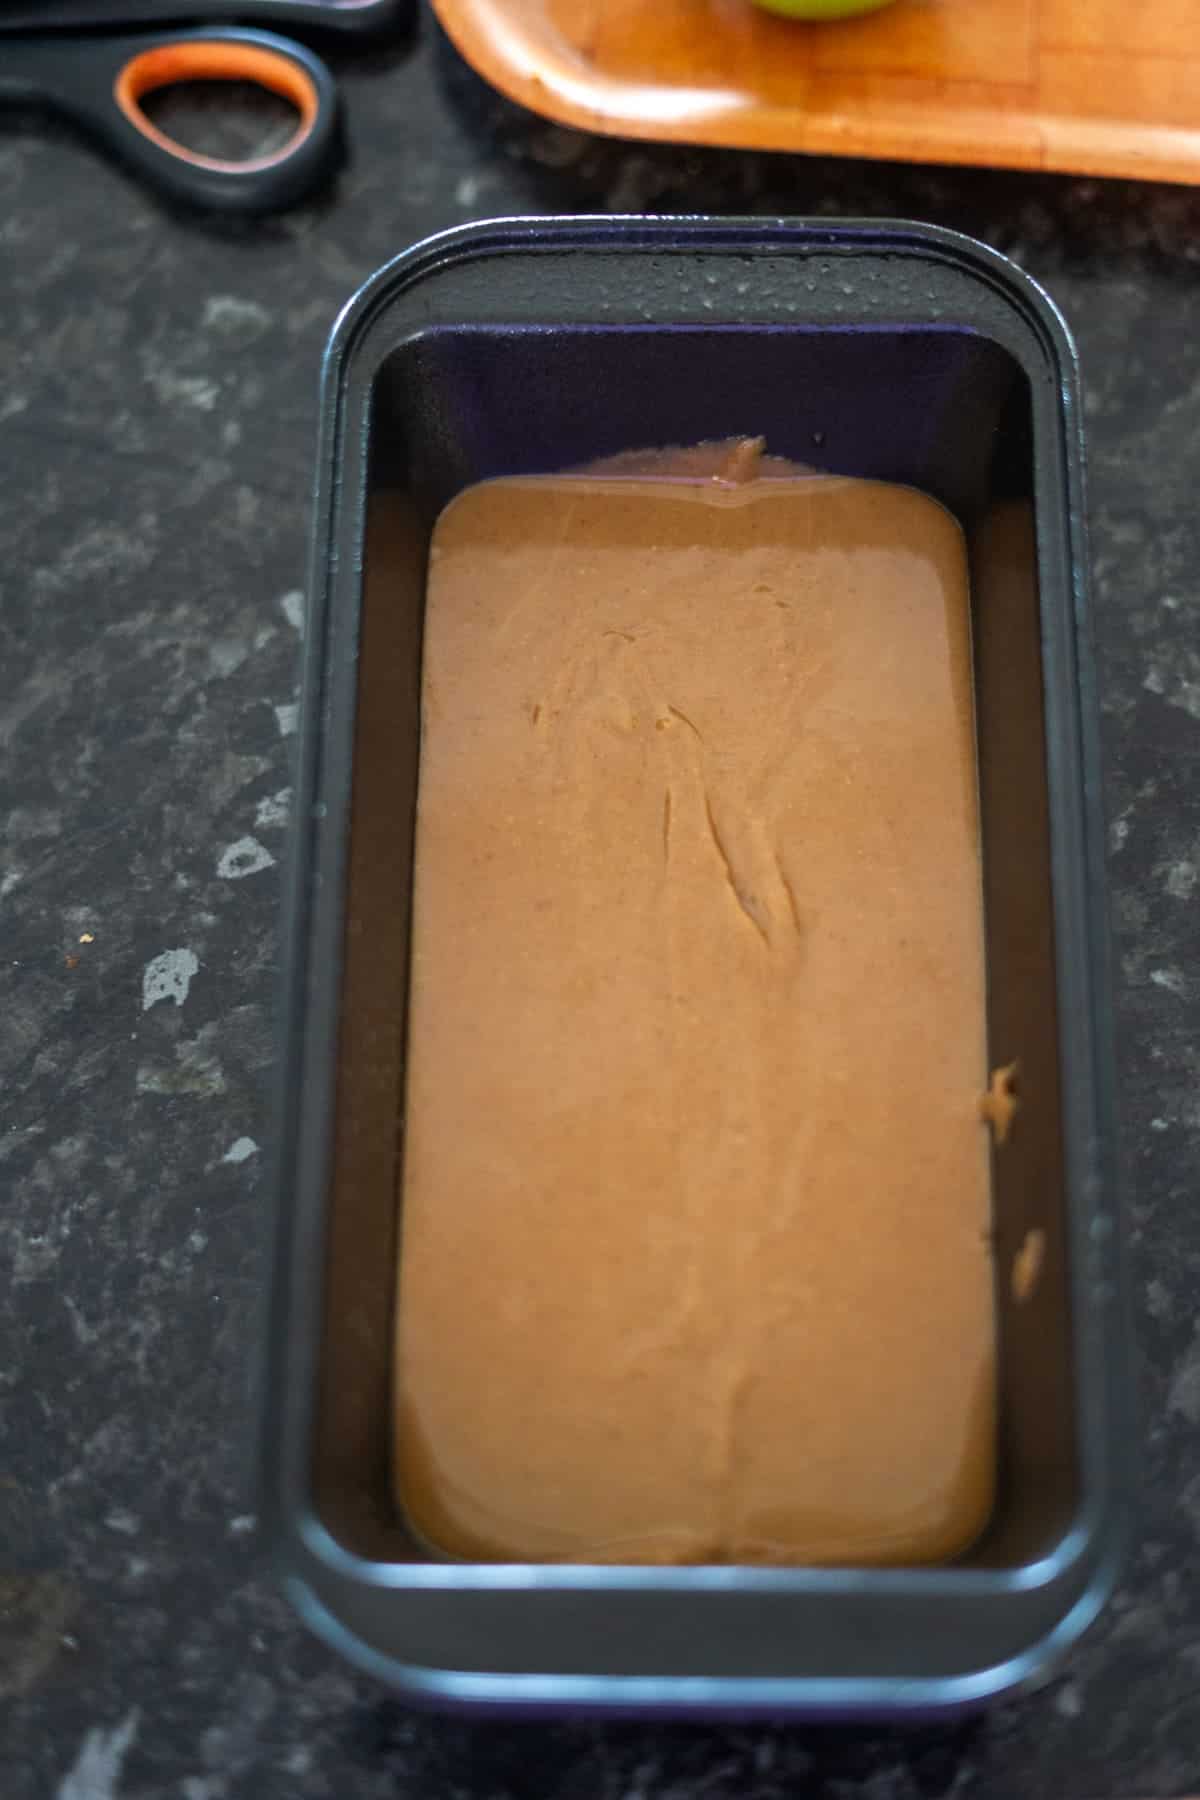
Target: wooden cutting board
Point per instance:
(1101, 87)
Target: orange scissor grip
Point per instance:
(216, 59)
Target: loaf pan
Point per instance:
(897, 352)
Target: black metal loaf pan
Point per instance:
(886, 350)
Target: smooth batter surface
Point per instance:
(694, 1260)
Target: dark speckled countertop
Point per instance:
(158, 401)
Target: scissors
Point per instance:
(75, 57)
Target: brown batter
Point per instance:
(696, 1201)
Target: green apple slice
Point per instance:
(821, 9)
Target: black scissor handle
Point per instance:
(120, 72)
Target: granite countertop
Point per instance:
(158, 404)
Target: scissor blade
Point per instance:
(368, 18)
